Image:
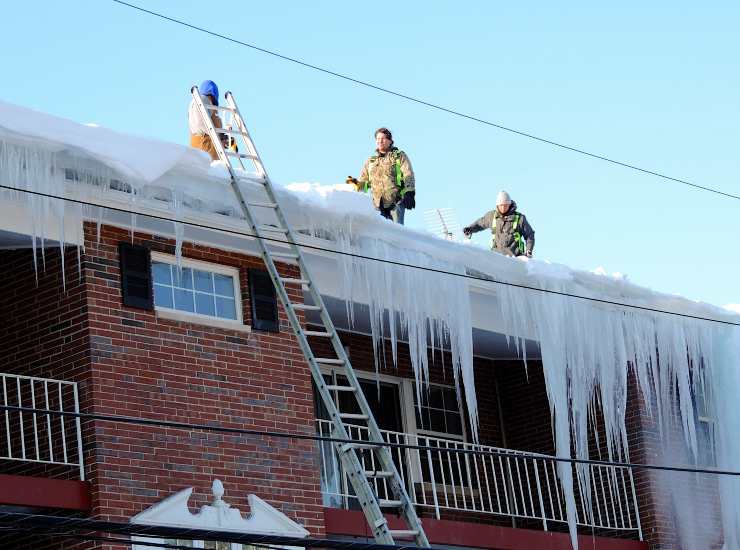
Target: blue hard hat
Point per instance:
(208, 87)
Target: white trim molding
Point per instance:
(173, 511)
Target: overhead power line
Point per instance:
(375, 259)
(427, 103)
(40, 523)
(327, 439)
(129, 542)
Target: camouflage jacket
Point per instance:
(380, 175)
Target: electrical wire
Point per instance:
(326, 439)
(157, 545)
(372, 258)
(23, 520)
(427, 103)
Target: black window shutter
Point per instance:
(264, 301)
(136, 276)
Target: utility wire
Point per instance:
(48, 523)
(156, 545)
(427, 103)
(326, 439)
(375, 259)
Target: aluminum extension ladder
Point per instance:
(349, 453)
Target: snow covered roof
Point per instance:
(191, 186)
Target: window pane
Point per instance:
(184, 277)
(204, 304)
(203, 281)
(162, 273)
(454, 425)
(225, 307)
(435, 397)
(163, 296)
(224, 285)
(184, 300)
(450, 396)
(437, 421)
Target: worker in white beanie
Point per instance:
(512, 234)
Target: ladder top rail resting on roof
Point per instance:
(360, 461)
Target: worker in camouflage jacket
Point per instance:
(390, 178)
(512, 234)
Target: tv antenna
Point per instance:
(442, 222)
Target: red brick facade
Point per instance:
(130, 362)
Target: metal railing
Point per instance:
(36, 437)
(510, 483)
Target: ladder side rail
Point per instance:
(383, 453)
(242, 127)
(360, 483)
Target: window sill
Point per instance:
(199, 320)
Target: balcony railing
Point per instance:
(501, 482)
(36, 437)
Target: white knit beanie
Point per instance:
(503, 198)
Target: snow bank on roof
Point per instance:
(135, 157)
(733, 307)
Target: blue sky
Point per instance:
(656, 84)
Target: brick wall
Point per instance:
(43, 333)
(130, 362)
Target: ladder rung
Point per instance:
(289, 281)
(227, 132)
(341, 388)
(291, 255)
(382, 474)
(385, 503)
(349, 446)
(240, 155)
(353, 416)
(263, 204)
(403, 533)
(218, 108)
(272, 228)
(317, 333)
(306, 307)
(324, 361)
(254, 179)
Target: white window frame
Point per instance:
(192, 317)
(406, 427)
(406, 392)
(442, 435)
(704, 417)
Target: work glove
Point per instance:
(528, 253)
(351, 180)
(409, 200)
(232, 145)
(467, 231)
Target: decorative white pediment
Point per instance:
(263, 519)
